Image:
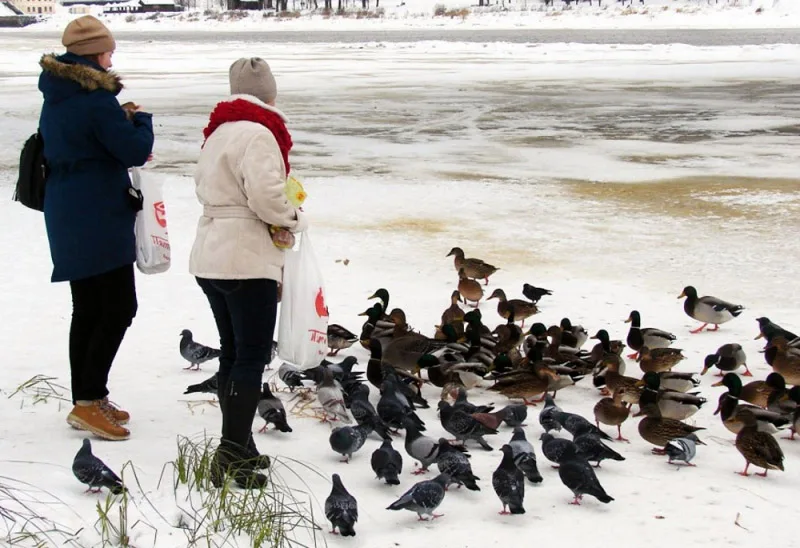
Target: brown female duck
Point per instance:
(658, 430)
(784, 359)
(613, 412)
(656, 360)
(473, 268)
(470, 290)
(758, 448)
(519, 308)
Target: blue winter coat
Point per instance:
(89, 144)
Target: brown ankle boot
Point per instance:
(97, 419)
(120, 417)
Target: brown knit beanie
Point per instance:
(87, 36)
(253, 77)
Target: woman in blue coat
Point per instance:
(90, 141)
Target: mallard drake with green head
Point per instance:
(759, 393)
(470, 290)
(657, 360)
(605, 347)
(709, 310)
(728, 357)
(339, 338)
(573, 336)
(784, 359)
(650, 337)
(473, 268)
(672, 405)
(758, 448)
(375, 326)
(519, 309)
(729, 407)
(658, 430)
(381, 294)
(608, 375)
(613, 411)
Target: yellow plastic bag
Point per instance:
(295, 191)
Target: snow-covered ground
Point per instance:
(465, 14)
(613, 175)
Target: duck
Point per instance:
(613, 411)
(658, 430)
(645, 336)
(709, 310)
(794, 396)
(609, 376)
(671, 404)
(473, 268)
(470, 290)
(784, 359)
(758, 448)
(679, 382)
(454, 313)
(526, 382)
(729, 408)
(606, 346)
(375, 327)
(519, 308)
(573, 336)
(767, 330)
(657, 360)
(403, 353)
(758, 393)
(728, 357)
(383, 295)
(339, 338)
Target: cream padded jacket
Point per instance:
(240, 180)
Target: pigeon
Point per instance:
(462, 426)
(547, 416)
(341, 509)
(394, 408)
(195, 353)
(93, 472)
(346, 440)
(683, 449)
(291, 376)
(592, 449)
(509, 483)
(524, 457)
(208, 386)
(515, 414)
(533, 293)
(353, 388)
(330, 397)
(467, 407)
(423, 498)
(454, 462)
(576, 425)
(578, 475)
(420, 447)
(364, 413)
(271, 410)
(340, 371)
(387, 463)
(554, 448)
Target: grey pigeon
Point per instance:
(394, 408)
(467, 407)
(341, 509)
(547, 416)
(330, 397)
(524, 456)
(364, 413)
(93, 472)
(420, 447)
(509, 483)
(683, 449)
(454, 462)
(463, 426)
(387, 463)
(208, 386)
(578, 475)
(423, 498)
(290, 375)
(591, 448)
(272, 411)
(515, 414)
(577, 425)
(195, 353)
(340, 371)
(553, 448)
(346, 440)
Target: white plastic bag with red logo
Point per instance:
(303, 327)
(152, 240)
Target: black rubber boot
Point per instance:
(262, 462)
(235, 461)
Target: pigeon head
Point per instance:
(186, 333)
(508, 453)
(349, 361)
(337, 484)
(86, 448)
(545, 437)
(442, 479)
(519, 434)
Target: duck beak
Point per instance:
(704, 371)
(760, 336)
(374, 296)
(719, 383)
(639, 384)
(363, 313)
(682, 295)
(629, 320)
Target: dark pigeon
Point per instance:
(387, 463)
(271, 410)
(592, 449)
(577, 425)
(463, 426)
(195, 353)
(533, 293)
(683, 449)
(578, 475)
(547, 416)
(509, 483)
(340, 371)
(93, 472)
(394, 408)
(423, 498)
(454, 462)
(291, 376)
(364, 413)
(208, 386)
(353, 388)
(462, 404)
(515, 414)
(420, 447)
(524, 457)
(346, 440)
(341, 509)
(554, 448)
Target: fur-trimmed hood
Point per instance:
(65, 75)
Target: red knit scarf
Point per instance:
(240, 110)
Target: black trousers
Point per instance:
(103, 308)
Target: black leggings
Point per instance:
(103, 308)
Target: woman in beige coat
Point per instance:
(237, 256)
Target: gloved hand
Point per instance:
(281, 237)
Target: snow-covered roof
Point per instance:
(6, 12)
(157, 2)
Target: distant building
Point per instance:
(122, 6)
(34, 7)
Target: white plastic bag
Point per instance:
(152, 240)
(303, 327)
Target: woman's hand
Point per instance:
(281, 237)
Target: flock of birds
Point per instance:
(528, 366)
